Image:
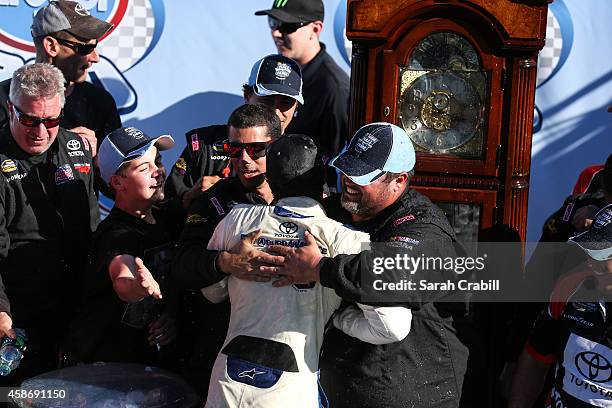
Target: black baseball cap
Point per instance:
(375, 148)
(596, 242)
(71, 16)
(295, 11)
(277, 75)
(293, 163)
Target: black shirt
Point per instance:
(102, 331)
(427, 367)
(202, 156)
(48, 211)
(324, 115)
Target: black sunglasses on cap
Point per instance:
(33, 121)
(285, 28)
(77, 47)
(255, 150)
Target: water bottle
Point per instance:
(11, 351)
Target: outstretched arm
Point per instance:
(131, 279)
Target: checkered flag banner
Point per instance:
(126, 45)
(551, 53)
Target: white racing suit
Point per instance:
(271, 352)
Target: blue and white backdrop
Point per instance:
(175, 65)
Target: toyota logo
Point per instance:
(593, 366)
(288, 228)
(73, 145)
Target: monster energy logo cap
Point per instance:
(295, 11)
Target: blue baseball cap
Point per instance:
(126, 144)
(277, 75)
(375, 149)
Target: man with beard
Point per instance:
(427, 368)
(296, 26)
(251, 128)
(137, 233)
(66, 35)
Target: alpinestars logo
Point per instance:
(280, 3)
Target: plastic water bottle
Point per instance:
(11, 351)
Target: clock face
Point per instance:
(441, 111)
(443, 92)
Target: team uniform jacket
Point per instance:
(324, 115)
(201, 157)
(48, 210)
(270, 355)
(427, 368)
(575, 332)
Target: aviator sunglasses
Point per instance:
(255, 150)
(33, 121)
(285, 28)
(79, 48)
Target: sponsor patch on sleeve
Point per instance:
(403, 219)
(181, 166)
(568, 212)
(217, 205)
(405, 239)
(195, 142)
(194, 219)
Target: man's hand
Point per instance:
(146, 280)
(89, 137)
(162, 330)
(6, 326)
(583, 218)
(241, 260)
(203, 184)
(300, 265)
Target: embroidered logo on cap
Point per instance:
(135, 133)
(282, 71)
(80, 10)
(365, 143)
(280, 3)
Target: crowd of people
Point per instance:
(246, 270)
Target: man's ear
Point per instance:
(317, 27)
(51, 46)
(401, 180)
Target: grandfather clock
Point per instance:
(459, 76)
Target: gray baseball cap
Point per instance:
(71, 16)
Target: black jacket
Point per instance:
(324, 115)
(194, 266)
(201, 157)
(426, 369)
(48, 210)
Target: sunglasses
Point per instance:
(33, 121)
(255, 150)
(285, 28)
(79, 48)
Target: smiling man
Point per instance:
(48, 210)
(66, 35)
(251, 128)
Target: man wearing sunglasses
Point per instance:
(66, 35)
(48, 210)
(276, 82)
(296, 26)
(251, 127)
